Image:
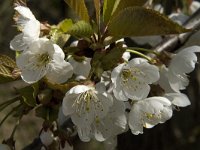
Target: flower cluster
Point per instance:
(39, 57)
(108, 99)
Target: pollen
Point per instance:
(87, 102)
(43, 59)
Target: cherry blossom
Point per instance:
(148, 113)
(44, 58)
(86, 105)
(181, 64)
(29, 26)
(132, 80)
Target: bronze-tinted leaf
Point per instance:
(80, 8)
(139, 21)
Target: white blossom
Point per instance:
(132, 80)
(86, 105)
(148, 113)
(126, 56)
(82, 68)
(29, 26)
(178, 99)
(24, 15)
(181, 64)
(44, 58)
(112, 124)
(46, 137)
(195, 5)
(163, 81)
(159, 8)
(179, 18)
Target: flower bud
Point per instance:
(45, 96)
(46, 137)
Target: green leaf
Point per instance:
(65, 25)
(113, 7)
(111, 59)
(107, 9)
(29, 94)
(81, 29)
(58, 37)
(139, 21)
(7, 66)
(104, 61)
(97, 5)
(122, 4)
(80, 8)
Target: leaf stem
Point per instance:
(140, 54)
(144, 50)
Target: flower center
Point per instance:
(127, 74)
(43, 59)
(86, 102)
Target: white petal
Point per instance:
(194, 6)
(59, 54)
(59, 72)
(30, 73)
(78, 89)
(148, 113)
(126, 56)
(119, 93)
(81, 68)
(31, 29)
(166, 114)
(107, 102)
(160, 99)
(46, 137)
(178, 81)
(113, 124)
(67, 103)
(18, 44)
(83, 120)
(137, 61)
(136, 91)
(116, 72)
(100, 87)
(61, 117)
(25, 12)
(178, 99)
(135, 120)
(32, 76)
(151, 72)
(25, 15)
(84, 133)
(164, 81)
(184, 61)
(179, 18)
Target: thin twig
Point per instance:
(173, 42)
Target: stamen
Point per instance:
(86, 102)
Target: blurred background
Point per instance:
(182, 132)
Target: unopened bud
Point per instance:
(45, 96)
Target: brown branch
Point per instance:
(175, 41)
